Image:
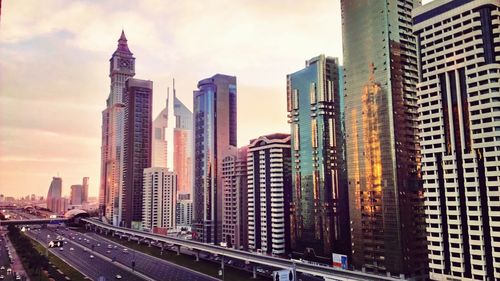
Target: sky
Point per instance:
(54, 71)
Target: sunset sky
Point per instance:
(54, 71)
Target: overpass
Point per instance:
(329, 273)
(33, 221)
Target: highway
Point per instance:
(80, 259)
(149, 267)
(254, 258)
(4, 260)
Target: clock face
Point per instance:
(124, 63)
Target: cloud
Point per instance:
(54, 70)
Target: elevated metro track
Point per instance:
(329, 273)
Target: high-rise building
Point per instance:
(55, 192)
(269, 172)
(137, 98)
(121, 67)
(459, 130)
(385, 191)
(214, 131)
(159, 199)
(235, 198)
(160, 145)
(183, 146)
(320, 212)
(184, 212)
(85, 191)
(76, 197)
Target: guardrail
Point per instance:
(323, 271)
(33, 221)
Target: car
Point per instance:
(85, 249)
(2, 277)
(108, 251)
(2, 268)
(91, 256)
(118, 276)
(71, 249)
(98, 245)
(18, 277)
(110, 247)
(125, 251)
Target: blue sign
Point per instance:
(343, 260)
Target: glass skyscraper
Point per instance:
(385, 192)
(320, 221)
(183, 147)
(214, 116)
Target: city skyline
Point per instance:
(74, 48)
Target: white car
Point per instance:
(118, 276)
(61, 249)
(71, 249)
(2, 277)
(91, 256)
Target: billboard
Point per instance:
(160, 230)
(339, 261)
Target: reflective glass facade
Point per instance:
(385, 194)
(214, 116)
(183, 146)
(320, 221)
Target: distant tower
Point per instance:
(214, 131)
(76, 197)
(160, 144)
(159, 199)
(121, 68)
(138, 99)
(183, 142)
(54, 194)
(85, 191)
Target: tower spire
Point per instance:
(122, 44)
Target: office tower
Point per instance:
(137, 98)
(214, 131)
(184, 212)
(76, 197)
(320, 213)
(85, 191)
(55, 192)
(121, 67)
(160, 124)
(159, 199)
(269, 172)
(459, 132)
(183, 146)
(385, 193)
(235, 198)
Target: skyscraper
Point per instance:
(214, 131)
(235, 198)
(85, 186)
(160, 124)
(269, 171)
(137, 98)
(121, 67)
(385, 192)
(76, 197)
(459, 125)
(183, 146)
(159, 199)
(54, 193)
(320, 212)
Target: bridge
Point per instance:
(329, 273)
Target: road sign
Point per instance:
(56, 243)
(339, 261)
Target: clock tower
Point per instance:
(121, 67)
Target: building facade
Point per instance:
(54, 193)
(121, 67)
(459, 129)
(76, 197)
(269, 172)
(160, 144)
(159, 199)
(385, 190)
(184, 212)
(214, 131)
(183, 146)
(137, 98)
(235, 198)
(320, 212)
(85, 191)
